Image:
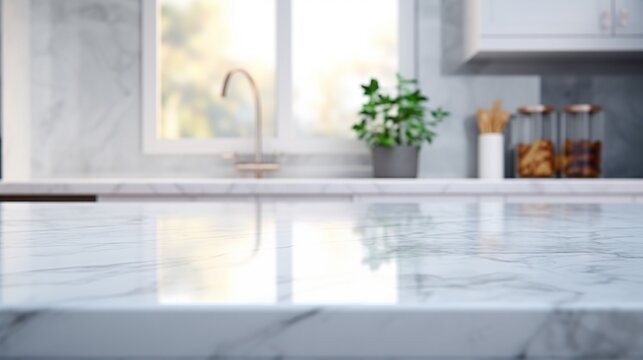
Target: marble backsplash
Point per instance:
(460, 88)
(86, 99)
(86, 120)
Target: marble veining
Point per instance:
(262, 279)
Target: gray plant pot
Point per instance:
(395, 162)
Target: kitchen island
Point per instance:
(252, 279)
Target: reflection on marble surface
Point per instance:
(320, 253)
(251, 279)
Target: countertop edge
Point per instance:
(312, 187)
(316, 332)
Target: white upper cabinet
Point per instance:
(496, 28)
(547, 17)
(628, 17)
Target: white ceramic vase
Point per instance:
(491, 156)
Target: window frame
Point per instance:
(286, 140)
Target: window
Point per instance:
(308, 58)
(200, 40)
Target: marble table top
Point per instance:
(250, 278)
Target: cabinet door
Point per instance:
(547, 17)
(628, 17)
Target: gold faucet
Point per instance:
(259, 166)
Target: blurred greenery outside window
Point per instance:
(334, 46)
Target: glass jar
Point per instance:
(534, 139)
(582, 141)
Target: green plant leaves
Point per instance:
(386, 141)
(372, 88)
(397, 120)
(386, 100)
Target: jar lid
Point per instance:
(536, 109)
(583, 109)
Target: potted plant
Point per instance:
(395, 127)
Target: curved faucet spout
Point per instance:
(258, 119)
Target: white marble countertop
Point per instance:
(321, 280)
(218, 187)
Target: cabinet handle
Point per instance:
(606, 20)
(624, 17)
